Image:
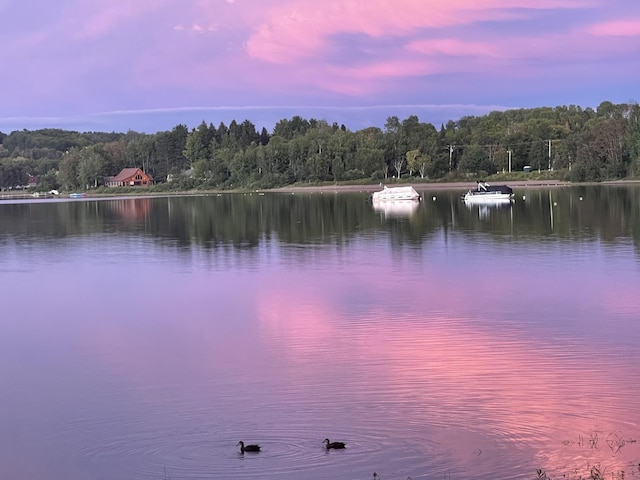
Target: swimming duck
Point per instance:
(248, 448)
(336, 445)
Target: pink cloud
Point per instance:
(298, 34)
(365, 79)
(95, 20)
(29, 40)
(452, 47)
(350, 47)
(620, 28)
(387, 69)
(427, 57)
(292, 42)
(301, 28)
(571, 47)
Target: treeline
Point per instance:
(570, 142)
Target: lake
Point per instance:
(143, 338)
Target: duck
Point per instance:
(248, 448)
(336, 445)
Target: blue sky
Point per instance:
(118, 65)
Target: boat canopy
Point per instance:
(485, 187)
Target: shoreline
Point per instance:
(462, 186)
(364, 188)
(420, 187)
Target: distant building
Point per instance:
(129, 177)
(32, 181)
(187, 173)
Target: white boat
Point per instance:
(489, 194)
(394, 194)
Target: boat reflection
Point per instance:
(488, 205)
(396, 208)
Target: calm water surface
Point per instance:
(143, 338)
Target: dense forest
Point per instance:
(567, 142)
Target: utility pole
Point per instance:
(509, 152)
(450, 157)
(549, 154)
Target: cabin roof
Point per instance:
(125, 173)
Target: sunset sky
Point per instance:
(148, 65)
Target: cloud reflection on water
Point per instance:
(457, 370)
